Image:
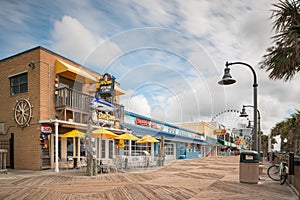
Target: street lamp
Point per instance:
(244, 114)
(227, 80)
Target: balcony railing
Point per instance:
(72, 100)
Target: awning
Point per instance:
(74, 73)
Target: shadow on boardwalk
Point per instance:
(208, 178)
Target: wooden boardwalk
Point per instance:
(208, 178)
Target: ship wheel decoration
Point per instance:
(23, 112)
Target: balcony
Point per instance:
(75, 106)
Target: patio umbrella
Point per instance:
(103, 133)
(147, 139)
(73, 133)
(127, 136)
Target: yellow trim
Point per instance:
(62, 67)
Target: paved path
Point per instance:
(208, 178)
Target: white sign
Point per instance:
(46, 128)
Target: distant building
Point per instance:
(214, 147)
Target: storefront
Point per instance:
(178, 142)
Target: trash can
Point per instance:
(249, 167)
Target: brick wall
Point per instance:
(26, 143)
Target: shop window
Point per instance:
(82, 147)
(19, 83)
(169, 149)
(70, 147)
(136, 149)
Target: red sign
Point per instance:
(220, 132)
(46, 128)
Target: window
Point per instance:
(19, 84)
(169, 149)
(136, 149)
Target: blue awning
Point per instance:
(141, 130)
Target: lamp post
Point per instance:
(244, 114)
(227, 80)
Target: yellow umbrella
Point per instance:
(127, 136)
(103, 133)
(146, 139)
(73, 133)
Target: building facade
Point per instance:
(179, 142)
(39, 88)
(214, 147)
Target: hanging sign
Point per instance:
(106, 84)
(46, 129)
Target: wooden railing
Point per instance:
(73, 100)
(67, 97)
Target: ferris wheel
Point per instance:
(230, 119)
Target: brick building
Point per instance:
(39, 87)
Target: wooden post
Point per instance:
(89, 150)
(161, 154)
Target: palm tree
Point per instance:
(289, 130)
(294, 131)
(283, 58)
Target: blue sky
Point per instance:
(167, 55)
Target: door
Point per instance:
(170, 151)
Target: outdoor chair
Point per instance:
(118, 160)
(103, 166)
(112, 165)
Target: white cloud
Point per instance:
(72, 39)
(136, 103)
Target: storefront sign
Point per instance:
(219, 132)
(106, 84)
(46, 129)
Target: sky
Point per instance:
(167, 55)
